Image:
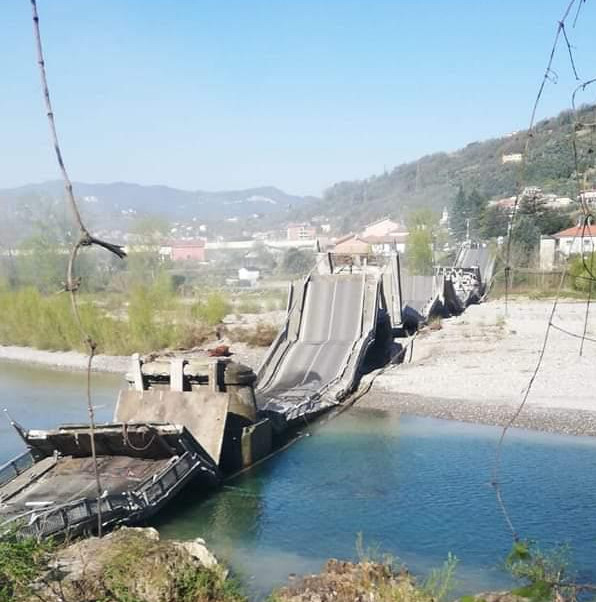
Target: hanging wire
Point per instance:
(580, 233)
(549, 75)
(85, 239)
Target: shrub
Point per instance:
(22, 560)
(579, 271)
(212, 310)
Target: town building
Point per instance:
(589, 197)
(352, 244)
(512, 158)
(249, 275)
(507, 203)
(565, 243)
(379, 238)
(382, 227)
(301, 232)
(184, 250)
(571, 241)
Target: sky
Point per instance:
(300, 94)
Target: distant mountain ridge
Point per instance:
(431, 181)
(110, 203)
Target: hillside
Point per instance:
(433, 180)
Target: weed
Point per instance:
(542, 571)
(22, 561)
(440, 582)
(212, 310)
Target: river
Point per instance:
(415, 488)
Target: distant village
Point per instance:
(377, 238)
(380, 237)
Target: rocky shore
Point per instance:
(475, 368)
(135, 565)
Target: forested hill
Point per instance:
(433, 180)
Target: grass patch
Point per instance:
(152, 318)
(22, 561)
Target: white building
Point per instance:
(250, 275)
(512, 158)
(570, 241)
(565, 243)
(589, 197)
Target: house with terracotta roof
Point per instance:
(576, 240)
(565, 243)
(382, 227)
(352, 244)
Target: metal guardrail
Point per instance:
(80, 514)
(12, 469)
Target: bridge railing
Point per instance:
(81, 514)
(15, 467)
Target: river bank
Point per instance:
(474, 368)
(236, 326)
(64, 360)
(136, 564)
(115, 364)
(477, 365)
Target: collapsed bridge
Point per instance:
(343, 318)
(194, 420)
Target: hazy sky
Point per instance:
(221, 94)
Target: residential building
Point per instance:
(565, 243)
(589, 197)
(250, 275)
(571, 241)
(352, 244)
(382, 227)
(512, 158)
(184, 250)
(301, 232)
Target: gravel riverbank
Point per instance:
(65, 360)
(476, 367)
(118, 364)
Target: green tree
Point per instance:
(296, 262)
(494, 222)
(419, 255)
(460, 214)
(423, 226)
(422, 218)
(525, 239)
(477, 204)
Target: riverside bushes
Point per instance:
(154, 319)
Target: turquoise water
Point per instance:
(416, 488)
(38, 397)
